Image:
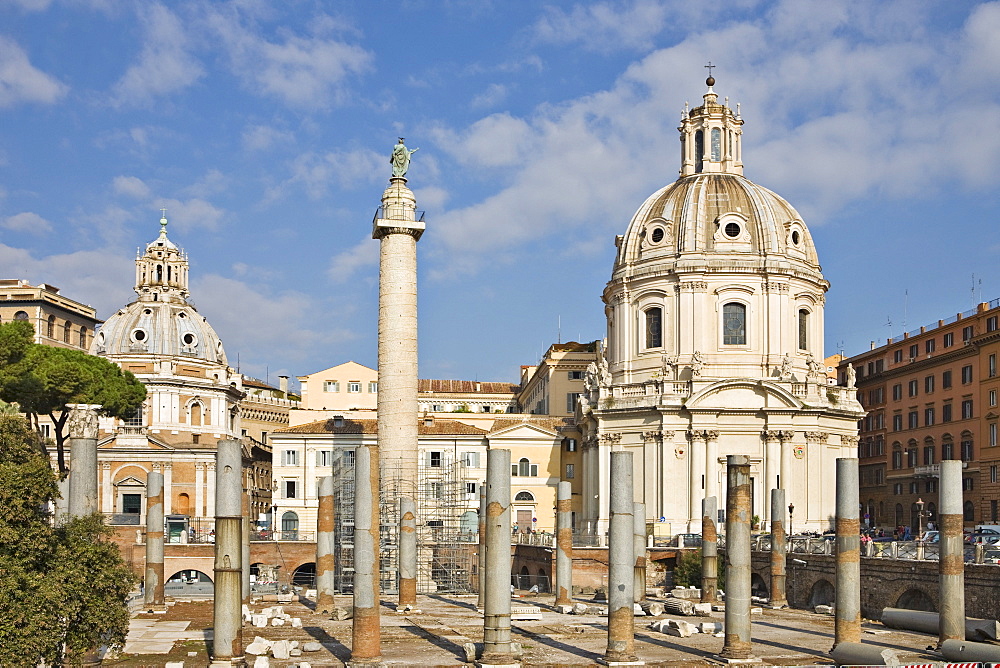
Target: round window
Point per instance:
(732, 230)
(147, 312)
(795, 237)
(139, 335)
(657, 235)
(188, 339)
(182, 315)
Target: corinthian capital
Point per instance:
(82, 421)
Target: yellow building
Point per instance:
(58, 320)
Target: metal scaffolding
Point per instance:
(447, 524)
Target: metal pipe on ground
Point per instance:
(366, 631)
(930, 622)
(847, 611)
(621, 564)
(779, 547)
(407, 553)
(227, 646)
(325, 563)
(709, 550)
(153, 593)
(564, 544)
(951, 564)
(737, 643)
(496, 606)
(639, 551)
(857, 654)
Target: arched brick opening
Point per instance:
(823, 593)
(305, 575)
(189, 582)
(915, 599)
(758, 586)
(543, 581)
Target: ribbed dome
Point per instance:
(715, 213)
(159, 328)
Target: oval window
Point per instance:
(188, 339)
(732, 230)
(147, 312)
(139, 335)
(657, 235)
(795, 237)
(182, 315)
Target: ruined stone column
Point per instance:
(407, 552)
(82, 427)
(245, 579)
(564, 544)
(639, 550)
(496, 606)
(366, 633)
(738, 574)
(709, 550)
(481, 554)
(621, 564)
(951, 567)
(779, 547)
(325, 547)
(847, 610)
(228, 617)
(153, 594)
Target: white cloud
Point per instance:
(192, 214)
(28, 5)
(103, 276)
(603, 26)
(27, 222)
(303, 71)
(344, 265)
(495, 141)
(20, 81)
(493, 95)
(131, 186)
(263, 137)
(317, 172)
(165, 65)
(249, 318)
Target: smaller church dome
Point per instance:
(161, 321)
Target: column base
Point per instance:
(497, 660)
(235, 661)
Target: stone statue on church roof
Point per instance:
(400, 158)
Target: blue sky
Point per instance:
(264, 128)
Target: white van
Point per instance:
(988, 528)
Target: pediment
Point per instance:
(523, 431)
(743, 394)
(130, 481)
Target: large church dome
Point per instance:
(715, 276)
(161, 322)
(715, 213)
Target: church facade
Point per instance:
(715, 347)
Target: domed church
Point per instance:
(715, 346)
(194, 399)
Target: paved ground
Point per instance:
(434, 637)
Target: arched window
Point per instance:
(196, 414)
(83, 337)
(968, 512)
(699, 151)
(716, 144)
(524, 496)
(50, 330)
(899, 514)
(523, 466)
(654, 327)
(66, 330)
(21, 315)
(803, 329)
(159, 273)
(289, 526)
(734, 324)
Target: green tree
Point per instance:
(62, 588)
(43, 379)
(687, 571)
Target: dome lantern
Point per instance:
(711, 137)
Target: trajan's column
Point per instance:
(398, 229)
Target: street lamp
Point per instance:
(791, 510)
(920, 518)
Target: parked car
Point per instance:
(931, 537)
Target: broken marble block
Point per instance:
(262, 662)
(679, 628)
(259, 646)
(580, 609)
(312, 647)
(281, 650)
(703, 609)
